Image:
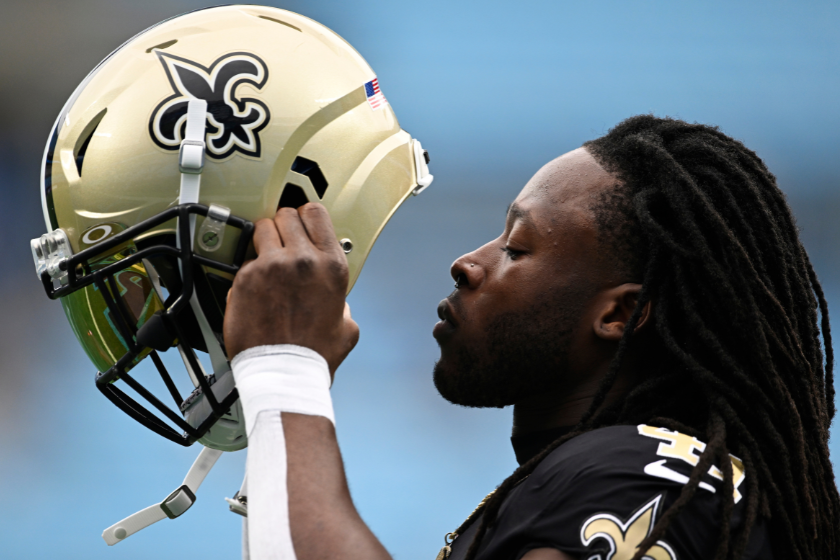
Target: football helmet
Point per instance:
(158, 166)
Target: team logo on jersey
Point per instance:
(624, 537)
(233, 122)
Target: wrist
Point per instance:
(283, 378)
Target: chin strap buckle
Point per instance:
(178, 502)
(174, 505)
(191, 157)
(239, 503)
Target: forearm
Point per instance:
(298, 501)
(324, 521)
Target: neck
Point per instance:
(564, 406)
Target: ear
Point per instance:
(616, 306)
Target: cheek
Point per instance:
(512, 285)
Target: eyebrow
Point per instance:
(515, 212)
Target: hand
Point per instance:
(293, 292)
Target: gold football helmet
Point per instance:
(162, 160)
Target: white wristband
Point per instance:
(282, 377)
(272, 379)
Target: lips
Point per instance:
(444, 310)
(444, 328)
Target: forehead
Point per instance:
(564, 188)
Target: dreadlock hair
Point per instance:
(738, 312)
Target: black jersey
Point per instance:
(599, 495)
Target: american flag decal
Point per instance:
(374, 95)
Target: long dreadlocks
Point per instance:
(736, 356)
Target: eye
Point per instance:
(512, 253)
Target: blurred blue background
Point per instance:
(493, 90)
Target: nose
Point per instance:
(466, 271)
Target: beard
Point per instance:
(522, 353)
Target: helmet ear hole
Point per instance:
(292, 197)
(313, 171)
(84, 139)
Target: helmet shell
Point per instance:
(300, 91)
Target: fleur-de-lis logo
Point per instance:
(624, 537)
(233, 123)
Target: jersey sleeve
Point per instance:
(600, 494)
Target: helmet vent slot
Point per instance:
(162, 46)
(310, 169)
(293, 197)
(280, 22)
(84, 140)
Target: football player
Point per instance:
(653, 318)
(649, 310)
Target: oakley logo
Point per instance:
(233, 123)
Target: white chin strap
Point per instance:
(191, 164)
(172, 506)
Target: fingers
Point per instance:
(292, 232)
(266, 237)
(316, 220)
(295, 229)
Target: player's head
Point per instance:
(526, 313)
(739, 349)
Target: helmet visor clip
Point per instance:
(48, 252)
(212, 230)
(421, 168)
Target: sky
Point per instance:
(493, 90)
